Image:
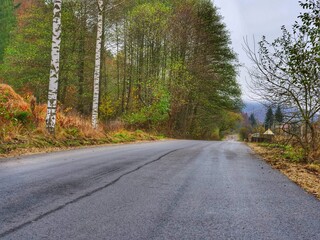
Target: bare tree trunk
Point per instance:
(124, 87)
(118, 64)
(81, 57)
(96, 85)
(130, 78)
(54, 70)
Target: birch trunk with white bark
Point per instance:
(96, 84)
(54, 69)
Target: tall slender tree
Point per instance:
(97, 70)
(278, 116)
(54, 70)
(268, 122)
(252, 120)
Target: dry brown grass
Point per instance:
(115, 126)
(11, 107)
(305, 175)
(72, 130)
(10, 100)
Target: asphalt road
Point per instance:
(162, 190)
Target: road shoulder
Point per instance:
(306, 176)
(28, 151)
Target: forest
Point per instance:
(165, 65)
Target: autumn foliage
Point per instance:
(12, 106)
(22, 126)
(19, 115)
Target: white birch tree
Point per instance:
(54, 69)
(96, 85)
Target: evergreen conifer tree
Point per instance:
(252, 120)
(269, 119)
(278, 116)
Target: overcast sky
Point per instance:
(255, 18)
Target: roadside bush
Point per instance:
(23, 116)
(294, 154)
(153, 114)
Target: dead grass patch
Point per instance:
(305, 175)
(23, 130)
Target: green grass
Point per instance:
(288, 152)
(72, 138)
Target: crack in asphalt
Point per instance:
(88, 194)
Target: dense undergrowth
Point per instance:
(22, 125)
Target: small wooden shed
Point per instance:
(268, 135)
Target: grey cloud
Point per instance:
(255, 17)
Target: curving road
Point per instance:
(162, 190)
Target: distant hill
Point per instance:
(260, 110)
(257, 109)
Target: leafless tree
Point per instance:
(286, 72)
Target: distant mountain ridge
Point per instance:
(257, 109)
